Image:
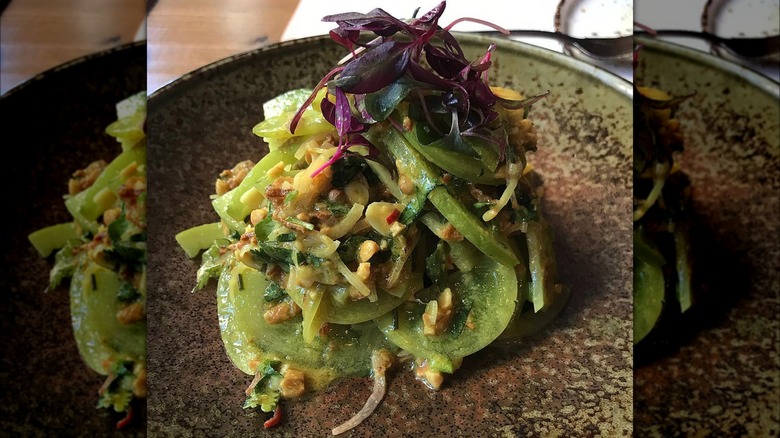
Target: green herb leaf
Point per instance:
(286, 237)
(436, 265)
(266, 391)
(127, 293)
(264, 228)
(64, 266)
(211, 265)
(345, 170)
(336, 208)
(273, 292)
(348, 250)
(296, 221)
(382, 103)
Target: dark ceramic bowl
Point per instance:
(573, 379)
(53, 125)
(716, 372)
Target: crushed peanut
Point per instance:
(293, 383)
(367, 250)
(111, 215)
(363, 271)
(131, 313)
(258, 215)
(438, 314)
(281, 312)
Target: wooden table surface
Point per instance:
(186, 34)
(183, 35)
(36, 35)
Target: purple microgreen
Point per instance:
(395, 124)
(485, 62)
(382, 73)
(297, 117)
(452, 44)
(346, 38)
(330, 113)
(432, 16)
(482, 96)
(484, 137)
(518, 104)
(343, 113)
(637, 49)
(426, 112)
(454, 141)
(421, 74)
(360, 105)
(443, 62)
(377, 21)
(341, 149)
(645, 28)
(478, 21)
(375, 69)
(502, 150)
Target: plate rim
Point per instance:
(613, 81)
(753, 77)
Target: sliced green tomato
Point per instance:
(528, 323)
(646, 250)
(100, 337)
(54, 237)
(229, 206)
(463, 254)
(648, 297)
(472, 228)
(492, 290)
(353, 312)
(195, 239)
(248, 338)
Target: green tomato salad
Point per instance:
(103, 253)
(662, 213)
(394, 220)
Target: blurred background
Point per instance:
(188, 34)
(36, 35)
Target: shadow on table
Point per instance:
(719, 279)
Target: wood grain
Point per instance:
(36, 35)
(186, 34)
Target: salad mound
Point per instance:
(394, 220)
(103, 252)
(662, 213)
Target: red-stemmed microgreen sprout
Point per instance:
(457, 86)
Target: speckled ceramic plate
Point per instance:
(719, 374)
(53, 125)
(573, 379)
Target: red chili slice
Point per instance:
(127, 420)
(276, 419)
(392, 217)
